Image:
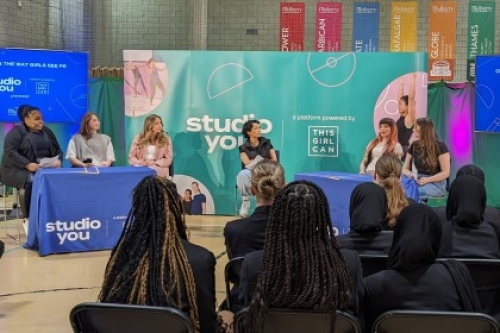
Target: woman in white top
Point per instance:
(152, 147)
(89, 147)
(385, 142)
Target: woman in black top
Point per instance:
(367, 211)
(432, 160)
(466, 234)
(24, 147)
(413, 280)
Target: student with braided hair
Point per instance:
(387, 174)
(301, 266)
(154, 264)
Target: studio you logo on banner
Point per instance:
(74, 230)
(212, 126)
(323, 141)
(8, 84)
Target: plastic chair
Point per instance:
(232, 277)
(125, 318)
(372, 263)
(486, 276)
(16, 206)
(434, 322)
(299, 321)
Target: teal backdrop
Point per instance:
(318, 109)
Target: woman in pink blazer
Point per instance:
(152, 147)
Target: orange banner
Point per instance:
(442, 39)
(404, 16)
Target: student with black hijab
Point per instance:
(466, 234)
(491, 214)
(413, 280)
(367, 211)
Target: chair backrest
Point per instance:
(232, 276)
(292, 321)
(486, 276)
(171, 169)
(434, 322)
(373, 263)
(124, 318)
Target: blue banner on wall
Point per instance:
(488, 94)
(54, 81)
(365, 36)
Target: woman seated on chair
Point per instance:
(252, 151)
(432, 160)
(89, 147)
(301, 266)
(368, 213)
(152, 147)
(387, 174)
(466, 234)
(413, 280)
(24, 148)
(385, 142)
(247, 235)
(155, 264)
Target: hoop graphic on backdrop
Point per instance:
(226, 78)
(330, 71)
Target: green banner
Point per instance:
(320, 110)
(481, 34)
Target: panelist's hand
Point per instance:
(423, 180)
(106, 163)
(407, 173)
(56, 164)
(150, 162)
(33, 167)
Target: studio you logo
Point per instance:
(8, 84)
(212, 126)
(74, 230)
(323, 141)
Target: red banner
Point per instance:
(328, 23)
(292, 21)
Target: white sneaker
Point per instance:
(245, 206)
(25, 226)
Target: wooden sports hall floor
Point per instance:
(37, 293)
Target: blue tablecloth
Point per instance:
(73, 211)
(337, 187)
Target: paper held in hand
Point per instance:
(253, 162)
(48, 161)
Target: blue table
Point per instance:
(337, 187)
(73, 210)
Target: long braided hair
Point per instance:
(302, 267)
(149, 266)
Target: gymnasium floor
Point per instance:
(37, 293)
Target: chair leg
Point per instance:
(15, 205)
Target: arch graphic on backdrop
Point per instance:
(226, 78)
(330, 71)
(485, 95)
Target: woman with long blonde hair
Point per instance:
(387, 174)
(152, 147)
(385, 142)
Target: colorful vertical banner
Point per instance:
(328, 36)
(404, 16)
(481, 33)
(292, 21)
(442, 39)
(366, 27)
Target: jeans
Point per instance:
(434, 189)
(243, 182)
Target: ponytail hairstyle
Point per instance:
(148, 265)
(391, 142)
(426, 147)
(302, 267)
(388, 169)
(267, 179)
